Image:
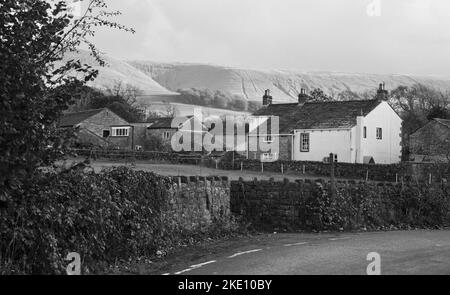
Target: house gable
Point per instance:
(432, 140)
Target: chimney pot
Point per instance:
(267, 98)
(302, 97)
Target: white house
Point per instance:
(358, 131)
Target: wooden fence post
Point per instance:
(333, 180)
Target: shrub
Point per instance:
(116, 215)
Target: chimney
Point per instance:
(267, 98)
(382, 93)
(303, 97)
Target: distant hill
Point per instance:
(159, 82)
(285, 85)
(118, 71)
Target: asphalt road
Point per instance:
(401, 252)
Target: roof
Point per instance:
(166, 123)
(444, 122)
(161, 123)
(73, 119)
(319, 115)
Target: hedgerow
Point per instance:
(357, 206)
(116, 215)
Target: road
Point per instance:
(402, 253)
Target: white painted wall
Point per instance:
(345, 143)
(324, 142)
(387, 150)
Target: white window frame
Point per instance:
(379, 133)
(120, 131)
(365, 132)
(268, 138)
(304, 136)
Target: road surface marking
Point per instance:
(295, 244)
(245, 252)
(195, 266)
(166, 274)
(183, 271)
(201, 264)
(337, 239)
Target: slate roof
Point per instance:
(319, 115)
(161, 123)
(166, 123)
(73, 119)
(444, 122)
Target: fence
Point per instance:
(154, 157)
(403, 172)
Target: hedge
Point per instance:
(116, 215)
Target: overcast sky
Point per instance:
(408, 37)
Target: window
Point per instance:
(304, 142)
(166, 135)
(379, 133)
(365, 132)
(120, 131)
(106, 133)
(268, 138)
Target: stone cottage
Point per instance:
(357, 131)
(431, 143)
(102, 127)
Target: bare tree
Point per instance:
(127, 91)
(170, 111)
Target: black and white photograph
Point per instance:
(221, 146)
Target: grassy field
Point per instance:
(190, 170)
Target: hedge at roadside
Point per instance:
(119, 214)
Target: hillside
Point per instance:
(118, 71)
(285, 85)
(159, 82)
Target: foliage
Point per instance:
(217, 99)
(362, 206)
(34, 36)
(439, 112)
(116, 215)
(318, 95)
(416, 105)
(156, 143)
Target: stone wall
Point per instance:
(431, 142)
(199, 200)
(311, 205)
(374, 172)
(285, 149)
(104, 120)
